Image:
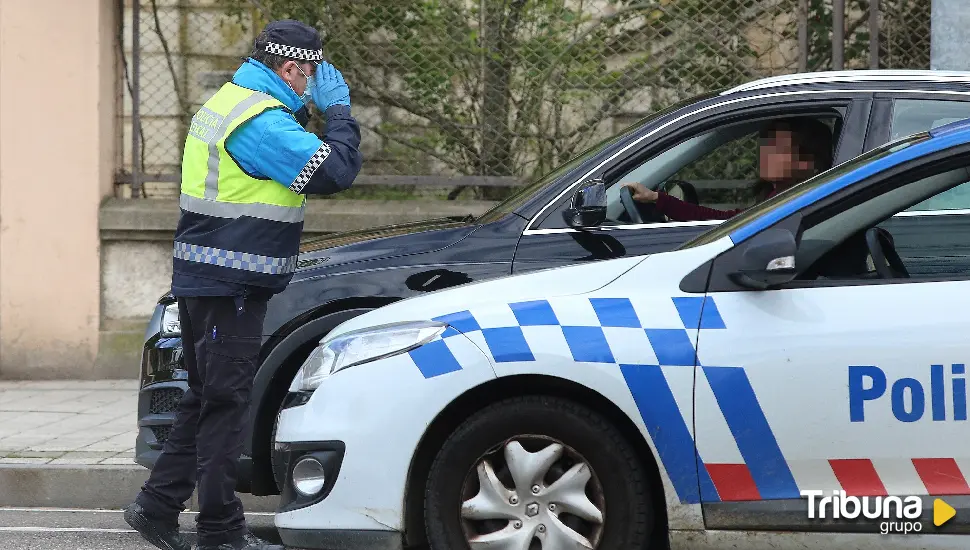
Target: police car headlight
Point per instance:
(171, 327)
(363, 346)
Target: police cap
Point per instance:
(293, 39)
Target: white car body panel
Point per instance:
(838, 342)
(382, 405)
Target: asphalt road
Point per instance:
(54, 529)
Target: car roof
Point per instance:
(855, 77)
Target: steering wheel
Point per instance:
(647, 212)
(886, 260)
(630, 205)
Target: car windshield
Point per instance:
(524, 193)
(730, 226)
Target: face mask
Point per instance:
(306, 97)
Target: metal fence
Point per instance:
(478, 94)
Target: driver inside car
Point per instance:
(790, 151)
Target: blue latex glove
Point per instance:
(328, 87)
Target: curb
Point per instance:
(102, 487)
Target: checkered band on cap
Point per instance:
(293, 52)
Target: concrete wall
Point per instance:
(57, 147)
(949, 38)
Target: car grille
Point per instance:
(165, 400)
(161, 433)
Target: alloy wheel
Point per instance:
(532, 493)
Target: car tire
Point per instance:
(458, 510)
(278, 466)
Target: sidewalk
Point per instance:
(69, 422)
(71, 444)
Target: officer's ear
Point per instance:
(289, 71)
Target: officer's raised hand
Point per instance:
(328, 87)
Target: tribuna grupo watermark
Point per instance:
(896, 514)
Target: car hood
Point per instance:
(535, 285)
(380, 242)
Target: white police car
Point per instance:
(716, 395)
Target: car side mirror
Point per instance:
(769, 262)
(588, 206)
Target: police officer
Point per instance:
(247, 166)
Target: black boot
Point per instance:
(164, 535)
(248, 542)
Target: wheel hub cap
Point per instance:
(545, 498)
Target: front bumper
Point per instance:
(163, 381)
(377, 414)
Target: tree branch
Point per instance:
(452, 129)
(262, 9)
(426, 150)
(582, 36)
(849, 31)
(183, 106)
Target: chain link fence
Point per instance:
(470, 95)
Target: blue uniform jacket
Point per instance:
(273, 145)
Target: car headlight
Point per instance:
(362, 346)
(170, 326)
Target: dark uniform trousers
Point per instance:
(208, 436)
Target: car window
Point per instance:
(928, 246)
(695, 158)
(716, 169)
(957, 198)
(526, 192)
(776, 206)
(911, 116)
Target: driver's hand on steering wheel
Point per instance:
(640, 193)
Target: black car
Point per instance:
(704, 150)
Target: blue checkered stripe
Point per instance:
(588, 342)
(235, 260)
(617, 335)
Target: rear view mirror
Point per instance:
(588, 206)
(769, 262)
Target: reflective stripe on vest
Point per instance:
(232, 210)
(238, 260)
(212, 176)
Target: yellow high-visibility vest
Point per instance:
(212, 182)
(234, 227)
